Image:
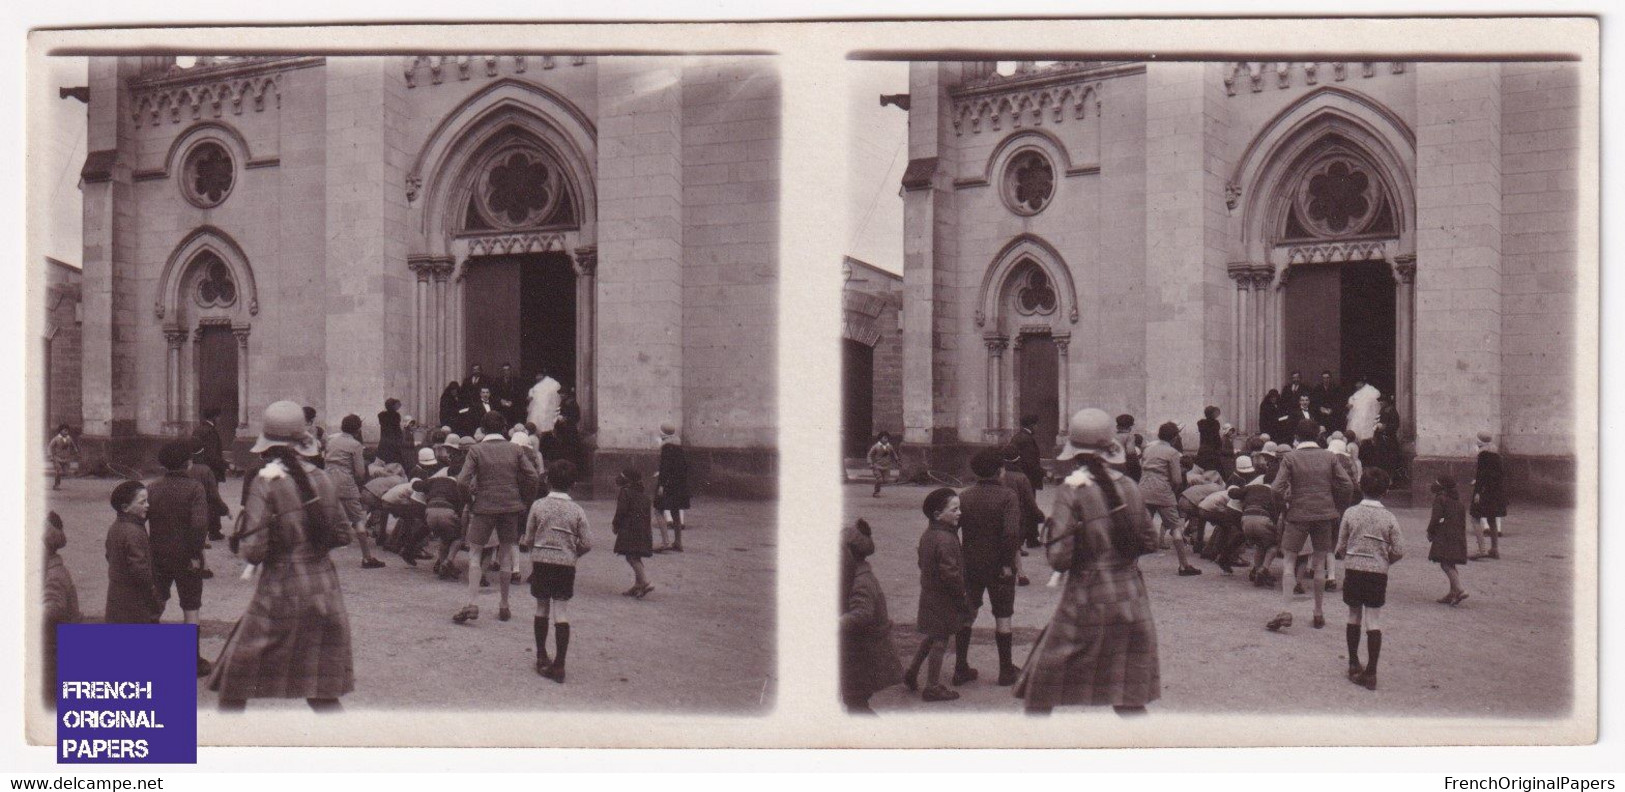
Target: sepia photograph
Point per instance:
(354, 361)
(1213, 387)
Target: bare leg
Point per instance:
(505, 559)
(639, 578)
(1317, 562)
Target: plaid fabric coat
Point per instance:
(294, 640)
(1101, 645)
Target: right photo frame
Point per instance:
(1219, 387)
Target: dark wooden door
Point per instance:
(217, 378)
(491, 329)
(1037, 386)
(1313, 306)
(1368, 325)
(858, 395)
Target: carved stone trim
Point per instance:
(586, 261)
(413, 66)
(996, 344)
(1284, 71)
(517, 242)
(1333, 252)
(192, 97)
(1405, 268)
(1028, 106)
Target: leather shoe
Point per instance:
(963, 674)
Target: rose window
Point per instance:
(209, 175)
(1029, 182)
(1035, 295)
(215, 287)
(518, 190)
(1337, 198)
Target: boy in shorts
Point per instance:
(556, 534)
(1369, 542)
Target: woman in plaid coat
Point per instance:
(1101, 645)
(294, 640)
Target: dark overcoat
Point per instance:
(131, 598)
(868, 656)
(674, 491)
(633, 535)
(1447, 532)
(1489, 487)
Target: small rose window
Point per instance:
(518, 190)
(1029, 182)
(209, 174)
(1035, 296)
(215, 287)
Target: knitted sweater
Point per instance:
(556, 531)
(1369, 539)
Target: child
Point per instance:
(942, 593)
(1369, 542)
(64, 450)
(868, 658)
(671, 489)
(1447, 531)
(633, 539)
(882, 460)
(61, 600)
(555, 536)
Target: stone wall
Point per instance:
(63, 341)
(1540, 141)
(730, 209)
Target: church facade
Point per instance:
(341, 230)
(1154, 238)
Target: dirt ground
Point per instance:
(702, 642)
(1504, 652)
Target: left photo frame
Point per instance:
(436, 376)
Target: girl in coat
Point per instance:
(943, 608)
(1489, 497)
(868, 658)
(1447, 533)
(671, 490)
(294, 640)
(633, 539)
(1101, 645)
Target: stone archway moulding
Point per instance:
(1266, 167)
(204, 238)
(439, 174)
(1025, 247)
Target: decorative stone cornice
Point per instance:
(438, 68)
(180, 95)
(1371, 250)
(996, 343)
(1256, 74)
(517, 242)
(1026, 106)
(1405, 268)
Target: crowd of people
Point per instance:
(1304, 496)
(494, 488)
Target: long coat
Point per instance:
(1027, 446)
(943, 607)
(1447, 531)
(131, 598)
(206, 437)
(673, 492)
(868, 656)
(1489, 487)
(294, 640)
(1101, 645)
(633, 535)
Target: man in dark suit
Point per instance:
(206, 438)
(472, 385)
(1330, 403)
(1027, 444)
(505, 391)
(1302, 411)
(1289, 400)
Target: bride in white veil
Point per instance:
(544, 403)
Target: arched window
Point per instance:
(208, 174)
(518, 186)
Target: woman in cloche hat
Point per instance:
(294, 640)
(1101, 645)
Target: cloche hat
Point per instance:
(1092, 431)
(284, 425)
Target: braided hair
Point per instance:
(1123, 536)
(317, 529)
